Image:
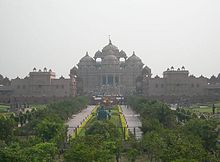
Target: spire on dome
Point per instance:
(87, 53)
(109, 38)
(134, 53)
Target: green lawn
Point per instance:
(82, 133)
(4, 108)
(204, 108)
(39, 106)
(114, 119)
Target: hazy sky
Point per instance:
(57, 33)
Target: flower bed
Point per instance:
(123, 124)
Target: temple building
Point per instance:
(38, 87)
(110, 72)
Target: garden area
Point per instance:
(42, 132)
(169, 136)
(175, 136)
(203, 109)
(4, 108)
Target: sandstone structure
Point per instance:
(39, 86)
(110, 72)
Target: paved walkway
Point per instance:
(77, 119)
(133, 121)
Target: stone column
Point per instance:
(106, 79)
(114, 80)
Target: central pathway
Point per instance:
(77, 119)
(132, 120)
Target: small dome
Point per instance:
(98, 54)
(62, 77)
(87, 58)
(146, 71)
(134, 59)
(74, 70)
(123, 54)
(1, 77)
(202, 77)
(110, 59)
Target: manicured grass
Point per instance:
(85, 124)
(39, 106)
(204, 108)
(4, 108)
(88, 124)
(115, 119)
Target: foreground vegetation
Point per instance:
(40, 139)
(168, 136)
(175, 135)
(101, 141)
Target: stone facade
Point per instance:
(39, 86)
(176, 83)
(109, 72)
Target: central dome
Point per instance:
(110, 59)
(110, 47)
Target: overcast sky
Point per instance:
(57, 33)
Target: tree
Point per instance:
(6, 128)
(150, 124)
(49, 128)
(169, 145)
(41, 152)
(104, 128)
(153, 145)
(205, 129)
(12, 153)
(181, 146)
(132, 154)
(89, 148)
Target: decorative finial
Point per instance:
(87, 53)
(109, 38)
(134, 53)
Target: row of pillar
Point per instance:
(110, 80)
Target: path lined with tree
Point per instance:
(77, 119)
(133, 121)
